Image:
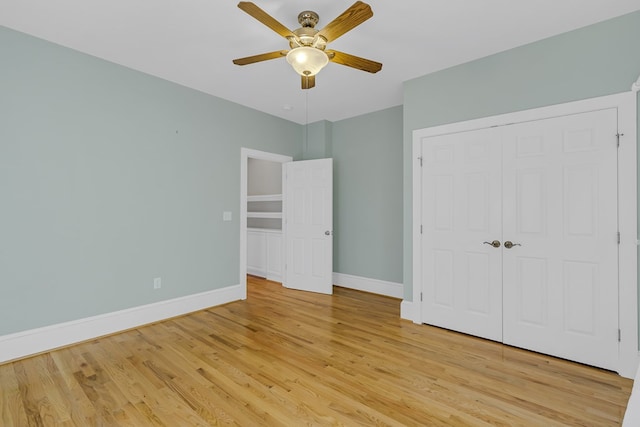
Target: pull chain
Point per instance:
(306, 120)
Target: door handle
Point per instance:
(495, 243)
(327, 233)
(508, 244)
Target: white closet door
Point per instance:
(461, 209)
(560, 205)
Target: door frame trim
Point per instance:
(245, 155)
(626, 104)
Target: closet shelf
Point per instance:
(275, 215)
(265, 198)
(265, 230)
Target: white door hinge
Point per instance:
(420, 296)
(619, 335)
(618, 135)
(420, 158)
(618, 237)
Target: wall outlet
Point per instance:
(157, 283)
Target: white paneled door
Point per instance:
(461, 210)
(308, 225)
(560, 210)
(519, 237)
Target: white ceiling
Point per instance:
(192, 42)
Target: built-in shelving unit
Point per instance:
(264, 219)
(264, 236)
(264, 207)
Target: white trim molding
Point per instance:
(626, 104)
(408, 309)
(27, 343)
(374, 286)
(636, 86)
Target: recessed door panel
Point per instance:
(580, 200)
(477, 206)
(530, 145)
(299, 256)
(443, 206)
(299, 206)
(318, 262)
(318, 198)
(477, 150)
(531, 290)
(579, 139)
(531, 201)
(580, 294)
(478, 295)
(443, 278)
(441, 154)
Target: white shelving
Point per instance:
(274, 215)
(265, 198)
(264, 206)
(264, 257)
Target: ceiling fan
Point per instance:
(308, 54)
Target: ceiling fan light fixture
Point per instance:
(307, 61)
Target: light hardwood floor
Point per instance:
(292, 358)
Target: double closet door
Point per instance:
(520, 241)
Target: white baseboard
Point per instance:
(256, 272)
(375, 286)
(408, 310)
(631, 369)
(34, 341)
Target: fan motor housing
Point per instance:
(307, 36)
(308, 18)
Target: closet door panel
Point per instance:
(461, 210)
(560, 209)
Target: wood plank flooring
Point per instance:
(292, 358)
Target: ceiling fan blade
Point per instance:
(259, 58)
(265, 18)
(354, 61)
(308, 82)
(350, 18)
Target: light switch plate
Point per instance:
(226, 216)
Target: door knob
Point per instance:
(495, 243)
(508, 244)
(327, 233)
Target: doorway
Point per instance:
(247, 155)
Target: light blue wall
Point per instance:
(593, 61)
(367, 152)
(109, 178)
(317, 139)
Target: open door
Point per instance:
(308, 225)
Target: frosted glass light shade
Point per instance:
(307, 61)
